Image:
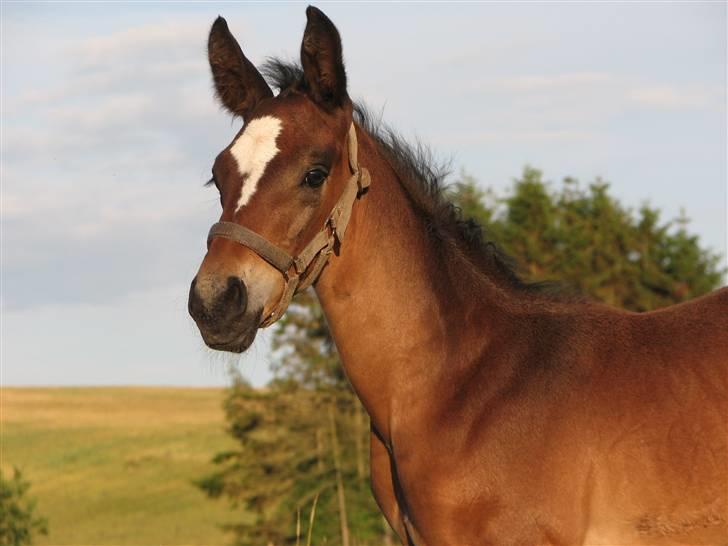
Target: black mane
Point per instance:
(425, 181)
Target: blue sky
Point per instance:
(109, 129)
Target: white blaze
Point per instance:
(252, 151)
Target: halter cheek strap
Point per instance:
(316, 253)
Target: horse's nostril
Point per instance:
(194, 302)
(236, 293)
(213, 302)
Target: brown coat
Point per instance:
(500, 415)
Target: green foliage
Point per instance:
(286, 454)
(472, 201)
(18, 520)
(305, 352)
(286, 461)
(587, 239)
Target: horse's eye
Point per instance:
(314, 178)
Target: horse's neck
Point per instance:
(398, 308)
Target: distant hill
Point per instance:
(115, 465)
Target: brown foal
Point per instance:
(500, 415)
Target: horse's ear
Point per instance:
(238, 83)
(323, 65)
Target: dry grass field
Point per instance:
(116, 465)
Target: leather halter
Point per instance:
(317, 252)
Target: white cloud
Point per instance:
(167, 40)
(517, 135)
(107, 113)
(539, 83)
(671, 97)
(115, 78)
(595, 95)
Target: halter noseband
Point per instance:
(316, 252)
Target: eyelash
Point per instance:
(318, 171)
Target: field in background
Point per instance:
(115, 465)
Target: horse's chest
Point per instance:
(463, 498)
(447, 506)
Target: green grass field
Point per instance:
(115, 465)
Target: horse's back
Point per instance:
(662, 399)
(696, 331)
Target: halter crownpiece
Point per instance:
(317, 252)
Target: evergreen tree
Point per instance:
(297, 447)
(588, 240)
(18, 520)
(304, 351)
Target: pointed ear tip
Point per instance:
(220, 22)
(313, 11)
